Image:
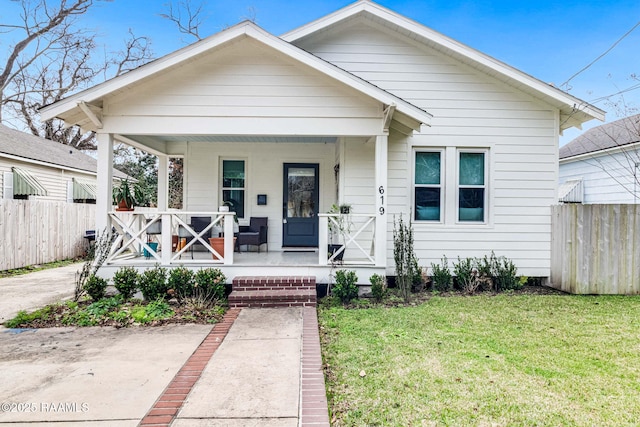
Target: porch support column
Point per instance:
(163, 183)
(163, 207)
(104, 198)
(382, 142)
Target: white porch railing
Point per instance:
(357, 239)
(134, 230)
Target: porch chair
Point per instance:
(198, 223)
(255, 234)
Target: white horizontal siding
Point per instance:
(606, 178)
(242, 81)
(471, 110)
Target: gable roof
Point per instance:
(70, 108)
(618, 134)
(573, 111)
(34, 149)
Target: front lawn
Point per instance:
(505, 360)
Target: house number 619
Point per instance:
(381, 191)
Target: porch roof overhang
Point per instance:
(573, 111)
(85, 108)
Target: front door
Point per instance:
(300, 205)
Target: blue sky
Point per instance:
(550, 40)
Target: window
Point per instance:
(472, 186)
(428, 186)
(233, 185)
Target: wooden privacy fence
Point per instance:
(595, 249)
(36, 232)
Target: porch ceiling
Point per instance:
(150, 140)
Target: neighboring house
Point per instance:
(603, 164)
(363, 107)
(36, 168)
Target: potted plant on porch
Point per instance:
(217, 242)
(340, 226)
(127, 195)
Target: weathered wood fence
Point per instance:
(35, 232)
(595, 249)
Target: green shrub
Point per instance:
(126, 281)
(378, 286)
(441, 275)
(345, 287)
(181, 281)
(404, 257)
(417, 277)
(466, 274)
(210, 283)
(153, 283)
(96, 287)
(506, 275)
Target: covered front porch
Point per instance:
(264, 126)
(145, 239)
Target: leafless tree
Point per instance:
(187, 16)
(190, 16)
(53, 56)
(620, 140)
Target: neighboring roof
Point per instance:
(620, 133)
(574, 111)
(31, 148)
(70, 109)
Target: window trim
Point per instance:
(244, 188)
(485, 186)
(442, 186)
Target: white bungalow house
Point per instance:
(40, 169)
(602, 165)
(362, 107)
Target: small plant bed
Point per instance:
(177, 295)
(115, 311)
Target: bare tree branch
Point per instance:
(54, 58)
(187, 16)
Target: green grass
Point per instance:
(507, 360)
(32, 268)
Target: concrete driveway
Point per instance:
(259, 367)
(35, 290)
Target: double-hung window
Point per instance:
(233, 185)
(428, 195)
(472, 186)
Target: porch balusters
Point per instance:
(362, 247)
(131, 228)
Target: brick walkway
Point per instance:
(313, 402)
(167, 406)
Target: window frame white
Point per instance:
(484, 186)
(244, 188)
(442, 185)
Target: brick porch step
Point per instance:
(273, 291)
